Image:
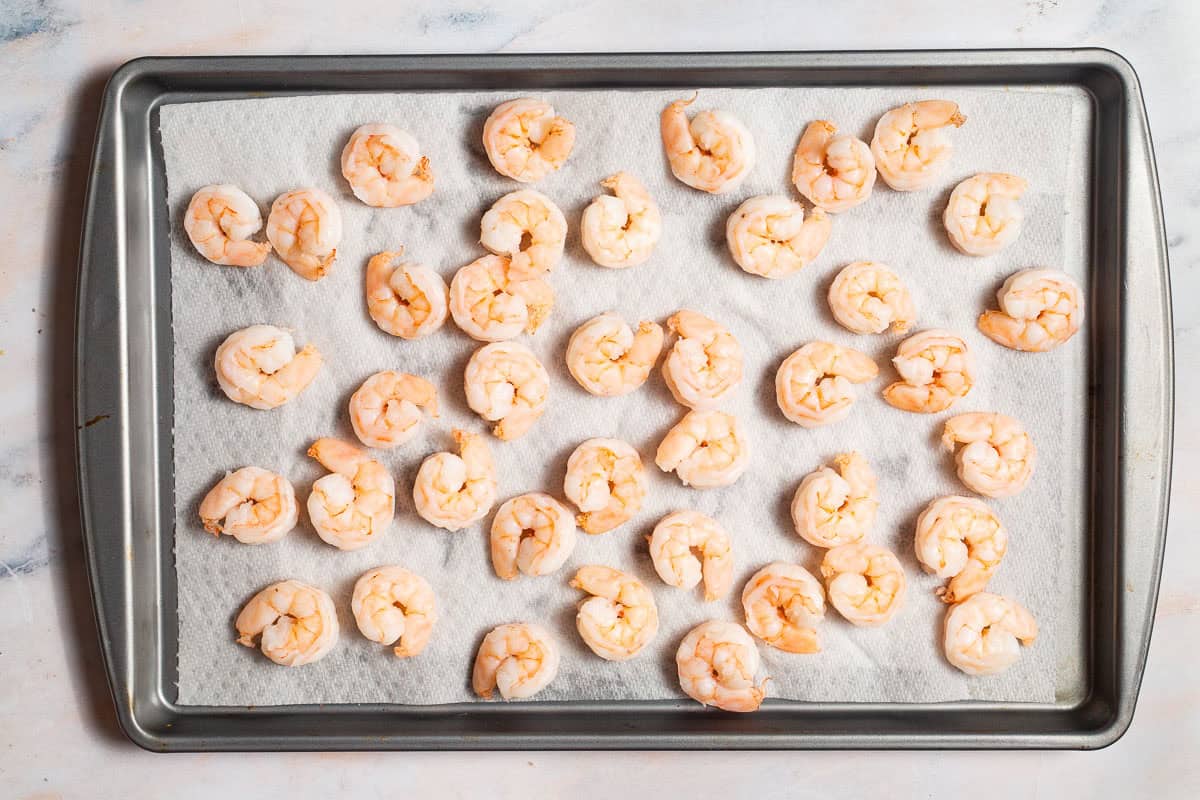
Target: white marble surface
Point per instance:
(57, 735)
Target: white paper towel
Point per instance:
(267, 146)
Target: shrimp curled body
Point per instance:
(608, 358)
(506, 384)
(866, 582)
(220, 220)
(519, 659)
(961, 539)
(687, 546)
(297, 623)
(385, 168)
(453, 491)
(704, 366)
(620, 230)
(354, 504)
(835, 172)
(984, 633)
(714, 152)
(405, 299)
(1039, 310)
(252, 505)
(394, 606)
(717, 663)
(813, 385)
(936, 369)
(999, 456)
(259, 367)
(910, 144)
(605, 479)
(784, 604)
(868, 297)
(619, 618)
(532, 534)
(705, 449)
(526, 141)
(831, 509)
(305, 227)
(770, 236)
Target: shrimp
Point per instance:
(984, 633)
(620, 230)
(491, 304)
(983, 215)
(769, 236)
(936, 369)
(961, 539)
(354, 504)
(252, 505)
(784, 603)
(717, 662)
(714, 152)
(408, 300)
(606, 480)
(531, 533)
(528, 229)
(830, 510)
(297, 623)
(910, 144)
(1039, 310)
(452, 491)
(868, 297)
(394, 606)
(259, 366)
(386, 410)
(679, 542)
(865, 581)
(219, 221)
(813, 384)
(706, 449)
(619, 618)
(519, 659)
(506, 384)
(704, 365)
(305, 227)
(608, 359)
(385, 168)
(526, 141)
(835, 173)
(999, 455)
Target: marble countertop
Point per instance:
(58, 737)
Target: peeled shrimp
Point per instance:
(620, 230)
(936, 369)
(305, 227)
(252, 505)
(831, 509)
(297, 623)
(868, 297)
(865, 581)
(999, 455)
(518, 659)
(452, 491)
(407, 300)
(714, 152)
(983, 215)
(834, 172)
(220, 221)
(606, 480)
(910, 143)
(608, 359)
(491, 304)
(386, 410)
(394, 606)
(1039, 310)
(526, 141)
(704, 365)
(769, 236)
(706, 449)
(784, 604)
(528, 229)
(813, 384)
(354, 504)
(506, 384)
(984, 633)
(619, 618)
(259, 366)
(385, 168)
(532, 534)
(717, 662)
(961, 539)
(687, 546)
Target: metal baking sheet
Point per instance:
(123, 389)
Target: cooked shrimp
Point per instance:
(252, 505)
(984, 633)
(910, 143)
(518, 659)
(865, 581)
(706, 449)
(999, 455)
(769, 236)
(506, 384)
(961, 539)
(834, 172)
(531, 533)
(619, 618)
(704, 365)
(621, 229)
(490, 304)
(452, 491)
(1039, 310)
(528, 229)
(259, 366)
(297, 623)
(606, 480)
(386, 410)
(608, 359)
(983, 215)
(385, 168)
(784, 603)
(868, 297)
(408, 300)
(936, 369)
(305, 227)
(717, 662)
(354, 504)
(220, 221)
(686, 546)
(394, 606)
(830, 510)
(813, 384)
(526, 141)
(714, 152)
